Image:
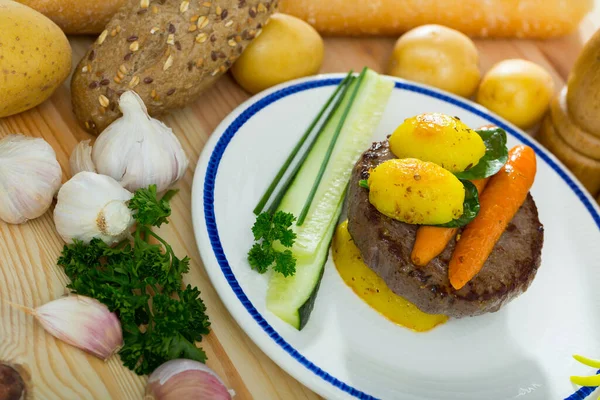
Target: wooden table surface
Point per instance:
(28, 253)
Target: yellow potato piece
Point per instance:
(288, 48)
(517, 90)
(35, 58)
(372, 289)
(440, 139)
(438, 56)
(416, 192)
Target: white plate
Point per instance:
(347, 349)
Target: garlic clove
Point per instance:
(184, 379)
(82, 322)
(81, 158)
(138, 150)
(92, 206)
(29, 178)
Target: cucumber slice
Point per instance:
(291, 298)
(354, 138)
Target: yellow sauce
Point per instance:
(373, 290)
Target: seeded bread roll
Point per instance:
(167, 51)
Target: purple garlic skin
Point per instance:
(183, 379)
(82, 322)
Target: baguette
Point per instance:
(77, 16)
(167, 51)
(496, 18)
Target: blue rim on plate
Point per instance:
(211, 225)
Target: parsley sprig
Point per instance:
(141, 281)
(268, 229)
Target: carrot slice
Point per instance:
(503, 196)
(432, 240)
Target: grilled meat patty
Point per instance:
(386, 245)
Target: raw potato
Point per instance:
(517, 90)
(437, 56)
(438, 138)
(168, 52)
(416, 192)
(35, 58)
(288, 48)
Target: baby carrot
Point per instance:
(503, 196)
(432, 240)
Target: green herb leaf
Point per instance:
(470, 207)
(141, 281)
(495, 156)
(180, 347)
(262, 226)
(269, 228)
(261, 256)
(285, 263)
(149, 209)
(363, 183)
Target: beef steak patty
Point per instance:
(386, 245)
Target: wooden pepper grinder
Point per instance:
(571, 129)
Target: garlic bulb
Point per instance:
(12, 385)
(138, 150)
(82, 322)
(81, 158)
(183, 379)
(93, 206)
(29, 178)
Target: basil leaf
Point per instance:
(470, 207)
(496, 155)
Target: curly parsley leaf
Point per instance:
(261, 256)
(262, 226)
(285, 263)
(149, 209)
(141, 281)
(268, 229)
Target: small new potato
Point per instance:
(288, 48)
(416, 192)
(440, 139)
(35, 58)
(437, 56)
(517, 90)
